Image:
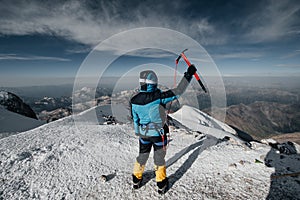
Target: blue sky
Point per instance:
(44, 39)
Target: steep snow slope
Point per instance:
(12, 122)
(199, 121)
(58, 161)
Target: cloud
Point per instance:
(151, 53)
(288, 65)
(291, 55)
(273, 20)
(67, 20)
(240, 55)
(78, 50)
(31, 58)
(89, 23)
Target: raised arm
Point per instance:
(172, 94)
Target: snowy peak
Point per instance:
(15, 115)
(197, 120)
(193, 114)
(3, 95)
(65, 160)
(15, 104)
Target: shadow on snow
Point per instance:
(197, 148)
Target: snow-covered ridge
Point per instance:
(197, 117)
(64, 160)
(197, 120)
(12, 123)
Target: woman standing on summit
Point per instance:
(148, 113)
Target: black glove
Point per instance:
(191, 70)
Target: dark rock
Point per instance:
(24, 155)
(15, 104)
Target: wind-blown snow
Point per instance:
(58, 161)
(11, 122)
(3, 95)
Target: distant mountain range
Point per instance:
(277, 112)
(263, 119)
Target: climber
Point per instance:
(149, 118)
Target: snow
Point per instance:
(3, 95)
(64, 160)
(11, 122)
(199, 121)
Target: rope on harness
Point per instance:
(162, 134)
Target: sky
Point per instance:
(42, 39)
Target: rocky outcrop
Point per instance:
(15, 104)
(50, 116)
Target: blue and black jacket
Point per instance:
(148, 107)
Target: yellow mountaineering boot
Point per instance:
(161, 179)
(137, 175)
(160, 172)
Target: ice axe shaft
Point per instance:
(189, 64)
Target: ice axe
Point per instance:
(182, 55)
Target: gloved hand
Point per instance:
(191, 70)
